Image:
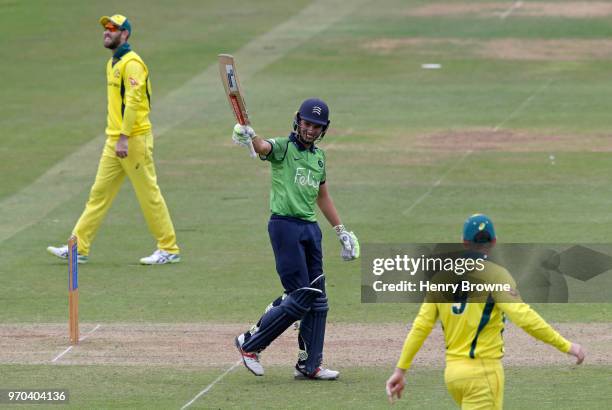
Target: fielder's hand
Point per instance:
(121, 148)
(243, 135)
(578, 352)
(349, 242)
(395, 385)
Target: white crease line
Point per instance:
(523, 104)
(59, 356)
(89, 333)
(516, 5)
(210, 386)
(437, 183)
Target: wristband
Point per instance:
(339, 229)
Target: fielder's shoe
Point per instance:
(160, 257)
(62, 253)
(250, 360)
(321, 373)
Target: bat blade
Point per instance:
(233, 90)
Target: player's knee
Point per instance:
(300, 301)
(98, 192)
(320, 303)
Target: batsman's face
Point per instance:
(112, 36)
(309, 131)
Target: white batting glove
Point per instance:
(243, 134)
(350, 243)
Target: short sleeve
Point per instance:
(324, 176)
(279, 149)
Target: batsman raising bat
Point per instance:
(298, 183)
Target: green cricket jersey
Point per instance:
(297, 172)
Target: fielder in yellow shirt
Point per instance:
(128, 151)
(474, 374)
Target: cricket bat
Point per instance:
(229, 78)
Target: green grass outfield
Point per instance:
(129, 387)
(476, 135)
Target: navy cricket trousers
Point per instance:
(297, 250)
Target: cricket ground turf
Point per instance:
(515, 123)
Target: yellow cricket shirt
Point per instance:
(474, 330)
(129, 94)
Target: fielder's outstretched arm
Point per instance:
(528, 319)
(521, 314)
(421, 327)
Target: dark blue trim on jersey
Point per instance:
(122, 50)
(122, 98)
(265, 157)
(147, 90)
(501, 332)
(293, 138)
(486, 315)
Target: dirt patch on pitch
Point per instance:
(424, 46)
(513, 141)
(499, 49)
(574, 9)
(401, 154)
(545, 50)
(211, 345)
(456, 9)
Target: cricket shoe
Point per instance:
(320, 373)
(250, 360)
(160, 257)
(62, 253)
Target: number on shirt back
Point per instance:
(458, 308)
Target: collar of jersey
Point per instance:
(299, 144)
(121, 51)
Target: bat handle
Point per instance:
(252, 152)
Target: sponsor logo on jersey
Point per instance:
(304, 177)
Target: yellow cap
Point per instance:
(118, 20)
